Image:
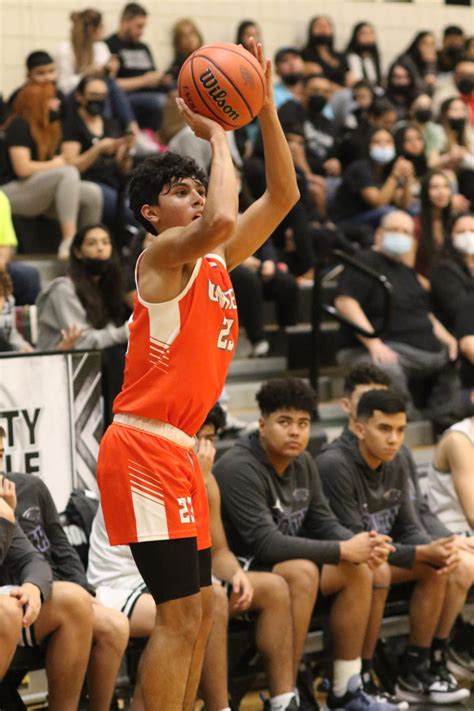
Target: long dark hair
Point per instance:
(448, 250)
(101, 298)
(420, 164)
(391, 91)
(427, 248)
(352, 48)
(413, 51)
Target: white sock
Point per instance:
(227, 708)
(280, 702)
(343, 670)
(297, 694)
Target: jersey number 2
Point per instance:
(223, 341)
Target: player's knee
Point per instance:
(356, 575)
(182, 617)
(302, 574)
(463, 576)
(381, 577)
(272, 591)
(11, 617)
(111, 628)
(72, 604)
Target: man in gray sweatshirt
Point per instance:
(365, 477)
(276, 517)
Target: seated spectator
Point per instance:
(362, 52)
(410, 144)
(96, 146)
(401, 87)
(451, 477)
(373, 186)
(39, 519)
(460, 85)
(420, 114)
(457, 153)
(451, 48)
(319, 53)
(452, 274)
(186, 39)
(25, 278)
(36, 180)
(367, 486)
(464, 332)
(91, 298)
(362, 99)
(246, 30)
(119, 584)
(353, 139)
(10, 339)
(276, 517)
(415, 344)
(420, 57)
(358, 381)
(35, 611)
(145, 86)
(40, 69)
(469, 49)
(289, 68)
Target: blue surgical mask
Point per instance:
(396, 244)
(382, 154)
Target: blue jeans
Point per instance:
(148, 108)
(26, 282)
(110, 204)
(371, 217)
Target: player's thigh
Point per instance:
(269, 589)
(142, 619)
(69, 605)
(420, 571)
(299, 574)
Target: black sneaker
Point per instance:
(419, 685)
(372, 687)
(355, 699)
(447, 689)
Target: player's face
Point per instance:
(285, 433)
(382, 435)
(207, 432)
(43, 74)
(349, 404)
(180, 204)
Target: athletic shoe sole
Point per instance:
(451, 697)
(460, 670)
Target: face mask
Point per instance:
(95, 108)
(453, 53)
(365, 47)
(396, 244)
(321, 40)
(457, 124)
(316, 103)
(292, 79)
(382, 154)
(400, 88)
(464, 242)
(97, 267)
(466, 86)
(423, 115)
(54, 115)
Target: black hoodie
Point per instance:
(274, 518)
(365, 499)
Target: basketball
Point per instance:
(224, 82)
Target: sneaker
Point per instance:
(260, 349)
(64, 249)
(372, 688)
(292, 706)
(355, 699)
(460, 662)
(420, 685)
(445, 688)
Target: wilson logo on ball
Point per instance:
(217, 94)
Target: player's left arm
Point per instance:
(259, 221)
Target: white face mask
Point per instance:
(464, 242)
(396, 244)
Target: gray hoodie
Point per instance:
(59, 307)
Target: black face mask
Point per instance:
(400, 89)
(423, 115)
(95, 108)
(419, 162)
(292, 79)
(457, 124)
(466, 86)
(97, 267)
(316, 103)
(361, 47)
(453, 53)
(54, 115)
(322, 41)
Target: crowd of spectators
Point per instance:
(384, 157)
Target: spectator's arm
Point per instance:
(458, 450)
(224, 562)
(351, 309)
(71, 150)
(147, 80)
(379, 197)
(466, 345)
(443, 335)
(24, 166)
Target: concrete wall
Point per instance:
(36, 24)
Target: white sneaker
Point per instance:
(260, 349)
(64, 249)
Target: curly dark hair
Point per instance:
(154, 174)
(365, 374)
(389, 402)
(103, 298)
(286, 394)
(216, 416)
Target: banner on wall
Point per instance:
(51, 411)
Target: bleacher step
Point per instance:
(48, 267)
(242, 394)
(256, 368)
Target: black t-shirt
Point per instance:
(349, 201)
(409, 323)
(319, 133)
(17, 134)
(135, 57)
(104, 170)
(465, 327)
(336, 74)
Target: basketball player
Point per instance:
(182, 337)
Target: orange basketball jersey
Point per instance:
(179, 351)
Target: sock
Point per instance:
(415, 656)
(227, 708)
(438, 648)
(297, 695)
(343, 671)
(280, 702)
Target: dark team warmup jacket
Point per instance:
(19, 562)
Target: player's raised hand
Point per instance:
(256, 49)
(201, 126)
